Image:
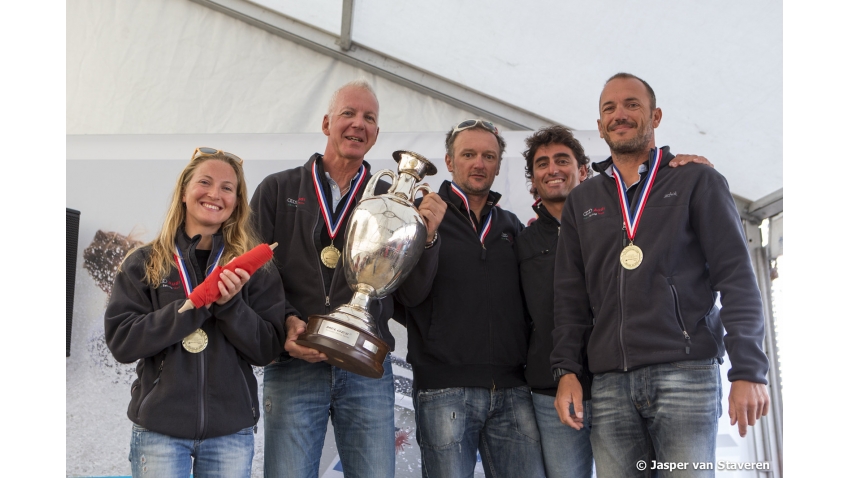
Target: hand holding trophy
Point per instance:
(384, 240)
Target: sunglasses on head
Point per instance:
(471, 123)
(204, 151)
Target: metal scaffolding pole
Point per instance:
(768, 432)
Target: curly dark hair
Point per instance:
(553, 135)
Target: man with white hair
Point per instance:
(305, 210)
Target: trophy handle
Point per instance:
(370, 187)
(422, 187)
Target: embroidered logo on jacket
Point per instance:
(171, 284)
(669, 195)
(291, 202)
(508, 237)
(596, 211)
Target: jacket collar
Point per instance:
(447, 194)
(320, 168)
(544, 215)
(187, 244)
(666, 156)
(187, 247)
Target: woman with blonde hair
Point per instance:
(194, 405)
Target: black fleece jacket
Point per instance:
(466, 324)
(286, 211)
(193, 395)
(536, 246)
(664, 311)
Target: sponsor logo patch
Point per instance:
(595, 211)
(171, 284)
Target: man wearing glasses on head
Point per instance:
(467, 328)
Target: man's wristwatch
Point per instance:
(431, 244)
(560, 372)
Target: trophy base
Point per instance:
(347, 347)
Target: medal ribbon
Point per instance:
(327, 213)
(631, 220)
(184, 272)
(484, 230)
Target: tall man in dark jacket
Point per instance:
(643, 253)
(555, 163)
(305, 210)
(467, 330)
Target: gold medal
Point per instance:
(196, 341)
(631, 257)
(330, 256)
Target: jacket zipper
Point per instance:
(201, 377)
(319, 263)
(621, 273)
(156, 381)
(679, 316)
(477, 239)
(201, 429)
(483, 258)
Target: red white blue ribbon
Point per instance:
(632, 220)
(184, 272)
(327, 213)
(486, 228)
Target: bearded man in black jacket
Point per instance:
(555, 164)
(643, 253)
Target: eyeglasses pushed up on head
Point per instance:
(471, 123)
(204, 151)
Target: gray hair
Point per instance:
(359, 83)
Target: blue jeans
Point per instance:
(154, 454)
(566, 452)
(665, 413)
(452, 423)
(299, 396)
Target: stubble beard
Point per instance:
(470, 188)
(638, 144)
(553, 197)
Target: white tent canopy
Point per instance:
(179, 67)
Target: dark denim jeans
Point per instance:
(566, 452)
(299, 396)
(452, 423)
(154, 454)
(665, 413)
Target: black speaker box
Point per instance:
(72, 234)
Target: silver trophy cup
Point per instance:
(383, 242)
